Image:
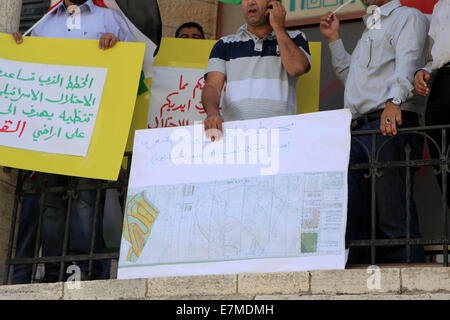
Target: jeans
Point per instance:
(53, 227)
(390, 192)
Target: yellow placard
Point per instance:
(308, 85)
(123, 63)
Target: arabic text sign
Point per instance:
(49, 108)
(115, 110)
(176, 96)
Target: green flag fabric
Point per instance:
(231, 1)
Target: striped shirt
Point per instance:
(257, 84)
(384, 62)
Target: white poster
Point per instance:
(176, 96)
(271, 196)
(49, 108)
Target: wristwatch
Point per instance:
(396, 101)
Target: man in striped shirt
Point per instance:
(260, 64)
(378, 79)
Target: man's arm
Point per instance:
(340, 58)
(211, 100)
(293, 58)
(423, 75)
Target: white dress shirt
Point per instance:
(440, 36)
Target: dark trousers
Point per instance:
(53, 226)
(390, 192)
(438, 113)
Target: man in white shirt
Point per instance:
(438, 66)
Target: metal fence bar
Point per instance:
(13, 223)
(71, 195)
(444, 172)
(94, 230)
(408, 203)
(38, 233)
(373, 215)
(82, 257)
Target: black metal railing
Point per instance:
(373, 168)
(70, 190)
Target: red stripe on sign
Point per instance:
(426, 6)
(51, 8)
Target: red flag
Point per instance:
(426, 6)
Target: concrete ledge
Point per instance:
(405, 283)
(273, 283)
(436, 279)
(192, 286)
(355, 281)
(430, 296)
(107, 290)
(48, 291)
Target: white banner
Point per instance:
(271, 196)
(49, 108)
(176, 96)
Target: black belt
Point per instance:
(369, 117)
(445, 69)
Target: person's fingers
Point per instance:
(398, 118)
(207, 125)
(17, 37)
(393, 127)
(114, 41)
(220, 125)
(100, 43)
(383, 126)
(218, 130)
(422, 81)
(427, 76)
(109, 43)
(388, 128)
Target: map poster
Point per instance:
(271, 196)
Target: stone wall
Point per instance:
(7, 188)
(10, 15)
(176, 12)
(400, 283)
(9, 22)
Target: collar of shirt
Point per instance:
(385, 10)
(88, 5)
(244, 30)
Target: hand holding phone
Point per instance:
(276, 13)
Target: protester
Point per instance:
(108, 27)
(438, 108)
(190, 30)
(378, 80)
(260, 64)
